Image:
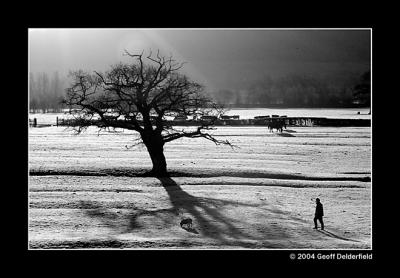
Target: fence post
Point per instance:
(34, 122)
(57, 121)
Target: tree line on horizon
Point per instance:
(47, 91)
(295, 90)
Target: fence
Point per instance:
(260, 121)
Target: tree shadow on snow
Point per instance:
(204, 211)
(206, 215)
(119, 222)
(95, 210)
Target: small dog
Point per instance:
(187, 221)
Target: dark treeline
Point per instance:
(46, 92)
(295, 91)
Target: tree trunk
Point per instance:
(155, 147)
(159, 162)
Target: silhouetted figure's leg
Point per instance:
(322, 223)
(315, 222)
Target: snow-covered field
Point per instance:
(84, 191)
(337, 113)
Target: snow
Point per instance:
(338, 113)
(259, 195)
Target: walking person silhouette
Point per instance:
(319, 213)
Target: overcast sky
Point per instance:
(217, 58)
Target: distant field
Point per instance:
(84, 191)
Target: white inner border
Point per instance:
(211, 29)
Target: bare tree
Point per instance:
(139, 96)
